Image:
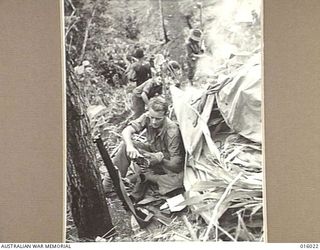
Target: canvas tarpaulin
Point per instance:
(226, 175)
(240, 100)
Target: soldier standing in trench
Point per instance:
(194, 51)
(139, 71)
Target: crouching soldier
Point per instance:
(173, 74)
(143, 93)
(164, 151)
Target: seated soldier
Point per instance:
(143, 93)
(164, 151)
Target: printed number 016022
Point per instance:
(309, 245)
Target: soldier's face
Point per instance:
(156, 118)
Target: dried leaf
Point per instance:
(197, 199)
(203, 186)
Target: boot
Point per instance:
(140, 189)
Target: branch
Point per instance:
(83, 50)
(70, 28)
(69, 46)
(72, 6)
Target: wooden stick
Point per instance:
(71, 4)
(86, 35)
(113, 228)
(69, 46)
(71, 27)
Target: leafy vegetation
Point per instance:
(105, 33)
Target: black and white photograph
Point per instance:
(164, 138)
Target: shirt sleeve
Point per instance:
(139, 124)
(175, 149)
(147, 87)
(132, 72)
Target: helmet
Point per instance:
(196, 35)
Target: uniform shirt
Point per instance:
(193, 48)
(150, 87)
(142, 72)
(166, 139)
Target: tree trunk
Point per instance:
(85, 193)
(163, 24)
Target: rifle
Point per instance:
(142, 218)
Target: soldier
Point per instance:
(144, 92)
(164, 151)
(194, 51)
(139, 71)
(173, 74)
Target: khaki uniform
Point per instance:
(151, 89)
(193, 48)
(140, 71)
(168, 141)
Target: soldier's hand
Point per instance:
(154, 158)
(144, 169)
(132, 152)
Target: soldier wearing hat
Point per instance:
(193, 52)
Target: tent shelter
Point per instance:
(223, 170)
